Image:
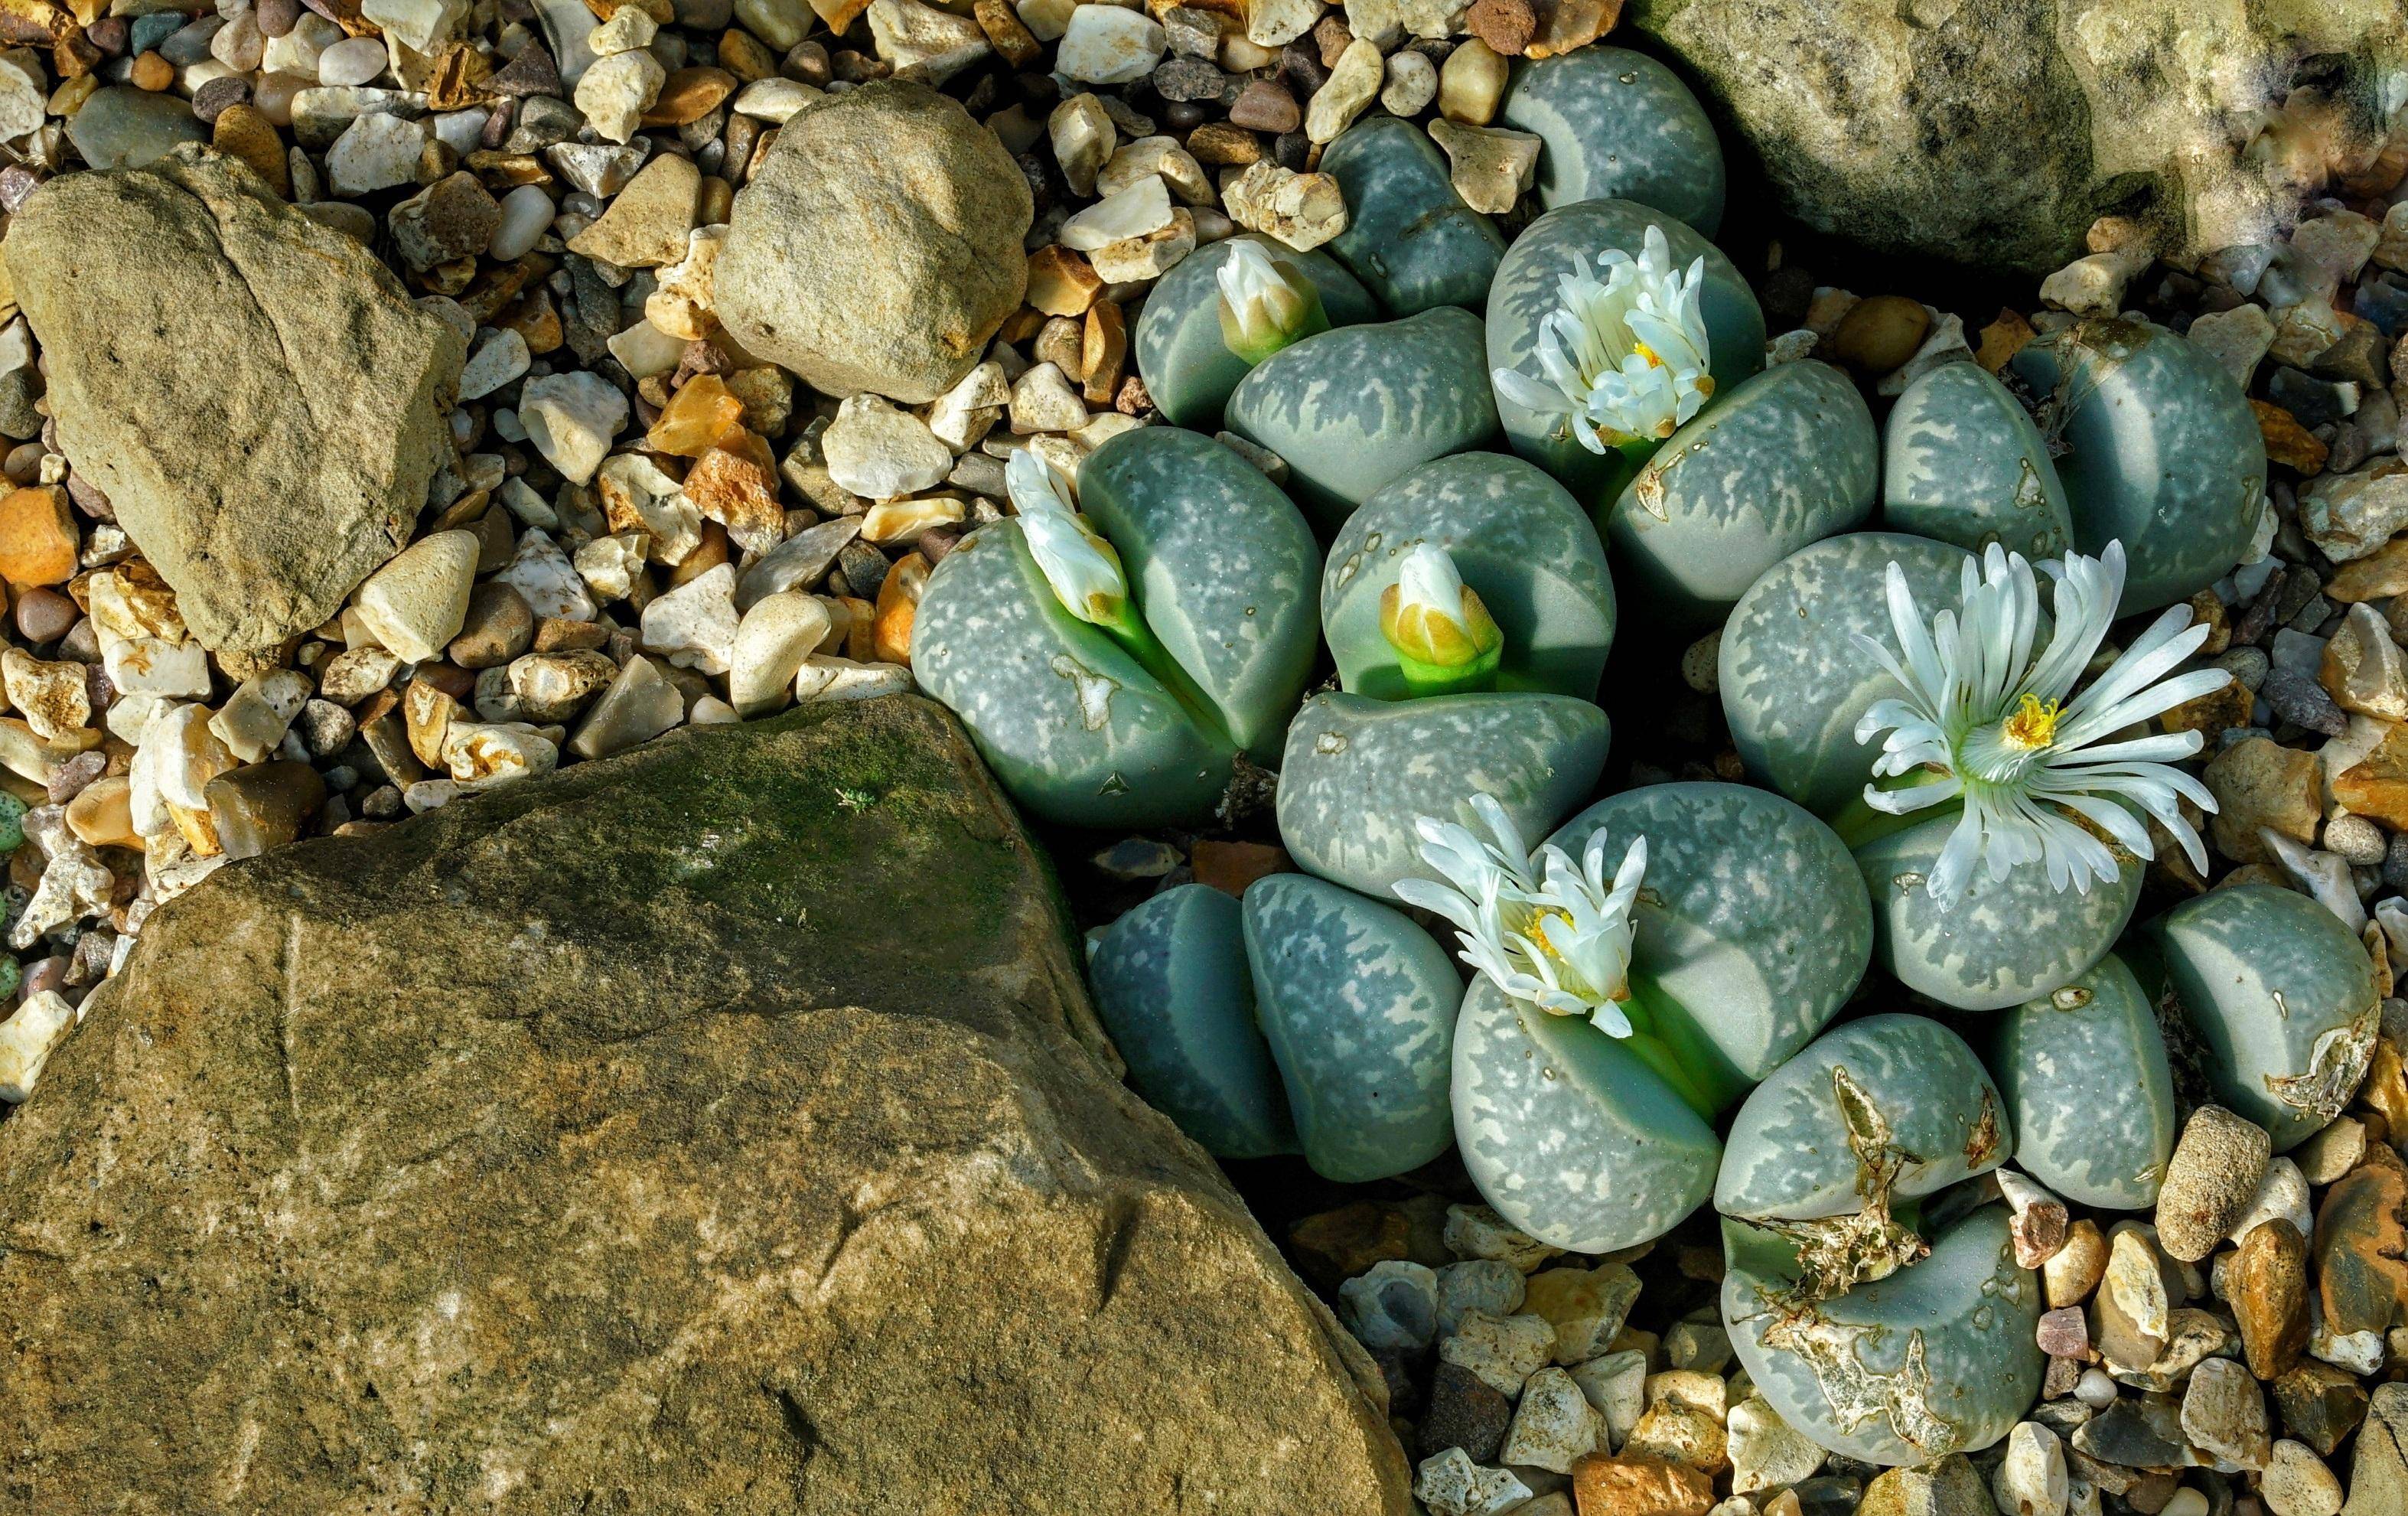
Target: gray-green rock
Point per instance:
(2084, 1073)
(1528, 291)
(124, 127)
(1220, 565)
(1998, 942)
(1890, 1106)
(2165, 455)
(1172, 989)
(255, 393)
(623, 1129)
(2281, 994)
(1408, 237)
(1788, 458)
(1520, 542)
(1567, 1135)
(1360, 772)
(1962, 462)
(878, 245)
(1993, 136)
(1187, 367)
(1794, 679)
(1358, 1006)
(1617, 125)
(1352, 408)
(1753, 928)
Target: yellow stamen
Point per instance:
(2034, 726)
(1647, 353)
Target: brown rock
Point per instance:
(245, 131)
(2288, 442)
(2259, 783)
(2361, 1245)
(1881, 332)
(263, 806)
(1506, 25)
(2320, 1404)
(38, 536)
(1567, 24)
(1061, 281)
(1004, 32)
(2267, 1283)
(499, 627)
(2209, 1180)
(814, 1209)
(689, 95)
(736, 484)
(2380, 573)
(2376, 786)
(1606, 1486)
(1265, 105)
(1332, 1246)
(1230, 866)
(1222, 145)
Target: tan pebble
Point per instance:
(38, 539)
(244, 131)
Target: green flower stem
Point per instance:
(1624, 462)
(1857, 823)
(1474, 677)
(1139, 641)
(1662, 1059)
(1313, 322)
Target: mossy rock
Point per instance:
(1893, 1106)
(2000, 943)
(1618, 124)
(1794, 679)
(1358, 1006)
(1936, 1358)
(2165, 455)
(1223, 567)
(1526, 291)
(1408, 237)
(1962, 462)
(2083, 1070)
(1360, 772)
(1188, 370)
(1078, 729)
(1517, 540)
(1171, 987)
(1567, 1133)
(2281, 993)
(1352, 408)
(1787, 458)
(1753, 928)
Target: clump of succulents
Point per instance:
(1620, 1013)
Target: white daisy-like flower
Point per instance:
(1083, 568)
(1625, 356)
(2003, 729)
(1541, 928)
(1264, 305)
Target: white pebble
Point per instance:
(571, 418)
(27, 1040)
(1141, 208)
(376, 151)
(617, 90)
(416, 604)
(693, 625)
(1107, 45)
(526, 213)
(879, 453)
(772, 641)
(351, 62)
(499, 358)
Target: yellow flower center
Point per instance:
(1647, 353)
(2034, 726)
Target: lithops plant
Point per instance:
(2088, 1088)
(1939, 1357)
(1831, 1149)
(1751, 931)
(1304, 1019)
(2027, 866)
(1171, 988)
(1408, 237)
(1356, 407)
(1114, 680)
(1575, 1110)
(2164, 453)
(1618, 124)
(1182, 347)
(1515, 536)
(1572, 298)
(1794, 676)
(2284, 998)
(1359, 773)
(1787, 458)
(1962, 462)
(1358, 1006)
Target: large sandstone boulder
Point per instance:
(1992, 134)
(254, 393)
(721, 1128)
(878, 247)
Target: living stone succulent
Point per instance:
(1408, 237)
(1182, 352)
(1618, 126)
(1963, 463)
(2088, 1091)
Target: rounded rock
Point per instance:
(2209, 1181)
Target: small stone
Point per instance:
(1044, 401)
(878, 452)
(615, 92)
(924, 42)
(2378, 1480)
(1554, 1424)
(2130, 1312)
(1702, 1346)
(1491, 167)
(2257, 784)
(2363, 669)
(551, 687)
(1393, 1305)
(1266, 105)
(1505, 26)
(1135, 260)
(38, 540)
(543, 575)
(2348, 516)
(2297, 1482)
(1678, 1433)
(244, 131)
(263, 806)
(2224, 1414)
(2064, 1333)
(1105, 44)
(2237, 339)
(419, 601)
(498, 627)
(1450, 1485)
(2030, 1481)
(2284, 1192)
(451, 219)
(1471, 83)
(638, 705)
(1351, 87)
(2361, 1246)
(2094, 285)
(571, 418)
(2320, 1405)
(1880, 334)
(1767, 1452)
(1411, 84)
(1503, 1350)
(825, 678)
(1300, 210)
(693, 625)
(1479, 1232)
(377, 152)
(1488, 1285)
(1950, 1487)
(647, 222)
(1619, 1486)
(1616, 1384)
(2267, 1286)
(2209, 1181)
(1588, 1307)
